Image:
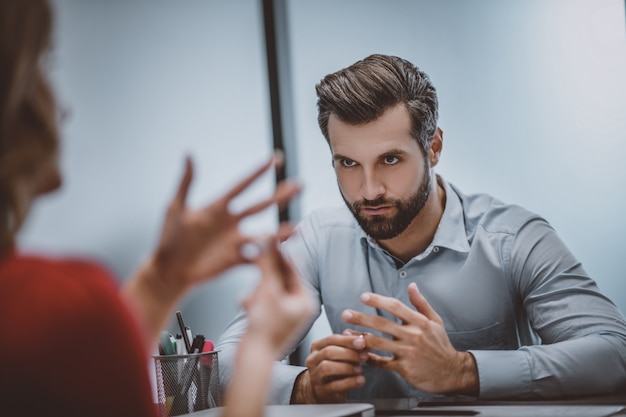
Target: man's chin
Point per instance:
(375, 228)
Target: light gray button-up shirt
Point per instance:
(507, 288)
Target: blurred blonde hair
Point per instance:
(28, 130)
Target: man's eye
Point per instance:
(348, 163)
(391, 160)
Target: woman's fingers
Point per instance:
(183, 188)
(284, 192)
(245, 183)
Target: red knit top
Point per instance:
(68, 344)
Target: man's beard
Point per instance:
(382, 227)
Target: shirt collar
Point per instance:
(451, 230)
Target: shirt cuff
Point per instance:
(503, 374)
(283, 379)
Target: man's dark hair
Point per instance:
(362, 92)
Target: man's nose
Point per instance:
(372, 187)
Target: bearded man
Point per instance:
(429, 291)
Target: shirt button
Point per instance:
(402, 274)
(436, 249)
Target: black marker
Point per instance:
(181, 324)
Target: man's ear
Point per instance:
(436, 145)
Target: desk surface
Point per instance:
(602, 406)
(317, 410)
(534, 410)
(597, 406)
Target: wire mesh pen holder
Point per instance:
(187, 383)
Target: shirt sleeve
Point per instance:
(581, 334)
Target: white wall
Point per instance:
(532, 99)
(532, 104)
(148, 82)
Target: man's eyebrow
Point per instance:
(339, 156)
(394, 152)
(390, 152)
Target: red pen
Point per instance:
(205, 398)
(207, 360)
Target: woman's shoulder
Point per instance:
(44, 268)
(56, 284)
(71, 323)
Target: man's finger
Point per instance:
(341, 385)
(383, 362)
(393, 306)
(420, 303)
(377, 323)
(346, 341)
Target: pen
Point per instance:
(189, 336)
(191, 365)
(183, 330)
(208, 347)
(180, 344)
(205, 399)
(198, 343)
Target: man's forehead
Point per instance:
(387, 134)
(395, 118)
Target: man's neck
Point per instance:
(420, 233)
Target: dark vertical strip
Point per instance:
(280, 92)
(281, 104)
